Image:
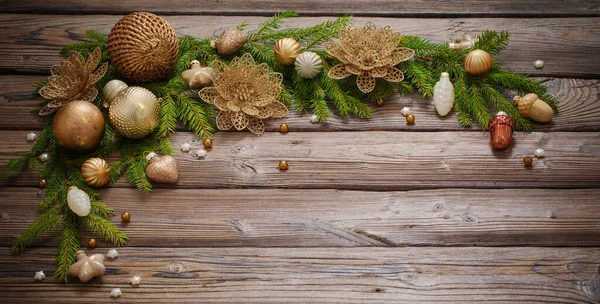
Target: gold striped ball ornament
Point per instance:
(95, 172)
(478, 62)
(143, 47)
(286, 50)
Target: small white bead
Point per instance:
(314, 119)
(44, 157)
(185, 147)
(539, 153)
(39, 276)
(115, 292)
(405, 111)
(200, 153)
(31, 136)
(136, 280)
(538, 64)
(113, 253)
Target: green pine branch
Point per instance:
(67, 248)
(103, 227)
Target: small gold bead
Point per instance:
(125, 216)
(527, 161)
(283, 165)
(284, 128)
(208, 143)
(42, 183)
(91, 243)
(410, 119)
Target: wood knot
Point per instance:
(176, 268)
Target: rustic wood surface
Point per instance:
(370, 211)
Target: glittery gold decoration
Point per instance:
(369, 53)
(134, 112)
(73, 79)
(162, 169)
(244, 93)
(230, 42)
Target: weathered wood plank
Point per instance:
(372, 160)
(328, 218)
(569, 46)
(411, 8)
(579, 110)
(319, 275)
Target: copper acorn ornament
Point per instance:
(478, 62)
(162, 168)
(286, 50)
(230, 42)
(134, 111)
(501, 130)
(198, 76)
(143, 47)
(95, 172)
(87, 267)
(531, 106)
(78, 126)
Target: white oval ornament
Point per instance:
(308, 64)
(78, 201)
(443, 95)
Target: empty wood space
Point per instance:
(370, 211)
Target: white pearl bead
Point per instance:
(539, 153)
(31, 136)
(538, 64)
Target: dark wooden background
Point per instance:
(370, 211)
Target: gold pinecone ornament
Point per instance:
(73, 79)
(143, 47)
(368, 53)
(244, 93)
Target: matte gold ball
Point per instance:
(91, 243)
(42, 183)
(478, 62)
(283, 165)
(410, 119)
(208, 143)
(125, 216)
(284, 128)
(78, 126)
(286, 50)
(528, 161)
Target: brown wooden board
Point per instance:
(333, 218)
(569, 46)
(318, 275)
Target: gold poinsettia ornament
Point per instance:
(244, 93)
(368, 53)
(73, 79)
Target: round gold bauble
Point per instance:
(125, 216)
(527, 161)
(78, 126)
(230, 42)
(284, 128)
(286, 50)
(95, 172)
(410, 119)
(91, 243)
(134, 112)
(42, 183)
(283, 165)
(143, 47)
(478, 62)
(208, 143)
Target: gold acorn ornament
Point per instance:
(143, 47)
(478, 62)
(133, 111)
(308, 65)
(286, 50)
(78, 126)
(162, 168)
(230, 42)
(531, 106)
(95, 172)
(198, 76)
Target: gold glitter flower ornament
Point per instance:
(73, 79)
(244, 93)
(368, 53)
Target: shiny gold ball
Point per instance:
(284, 128)
(283, 165)
(95, 172)
(230, 42)
(410, 119)
(91, 243)
(478, 62)
(528, 161)
(134, 112)
(42, 183)
(208, 143)
(78, 126)
(125, 216)
(286, 50)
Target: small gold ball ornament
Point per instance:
(134, 111)
(527, 161)
(143, 47)
(286, 50)
(283, 165)
(42, 183)
(78, 126)
(91, 243)
(284, 128)
(478, 62)
(410, 119)
(208, 143)
(125, 216)
(230, 42)
(95, 172)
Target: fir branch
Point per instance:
(419, 76)
(318, 103)
(168, 116)
(492, 41)
(193, 116)
(101, 209)
(270, 25)
(479, 106)
(101, 226)
(44, 224)
(67, 248)
(462, 103)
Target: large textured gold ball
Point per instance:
(78, 126)
(134, 112)
(478, 62)
(143, 47)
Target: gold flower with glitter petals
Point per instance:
(368, 53)
(244, 93)
(73, 79)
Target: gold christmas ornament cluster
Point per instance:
(244, 93)
(143, 47)
(531, 106)
(368, 53)
(197, 76)
(73, 79)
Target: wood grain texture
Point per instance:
(319, 275)
(579, 110)
(569, 46)
(371, 160)
(333, 218)
(429, 8)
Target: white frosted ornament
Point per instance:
(443, 95)
(78, 201)
(314, 118)
(308, 64)
(405, 111)
(116, 292)
(39, 276)
(31, 136)
(538, 64)
(539, 153)
(136, 280)
(185, 147)
(113, 253)
(200, 153)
